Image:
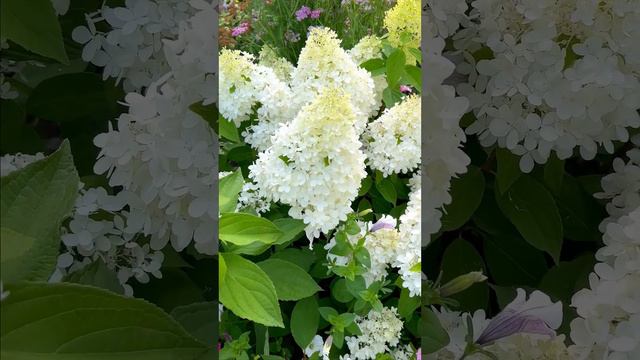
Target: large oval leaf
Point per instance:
(290, 280)
(73, 322)
(304, 321)
(531, 208)
(33, 25)
(34, 202)
(248, 292)
(243, 229)
(466, 194)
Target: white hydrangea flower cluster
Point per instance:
(305, 165)
(552, 75)
(443, 157)
(409, 255)
(380, 335)
(323, 63)
(12, 162)
(608, 326)
(392, 141)
(162, 152)
(115, 240)
(382, 244)
(281, 67)
(369, 48)
(132, 47)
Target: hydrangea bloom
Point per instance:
(609, 314)
(401, 20)
(323, 63)
(380, 334)
(393, 140)
(556, 76)
(408, 254)
(305, 165)
(12, 162)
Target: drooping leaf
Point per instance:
(243, 229)
(229, 190)
(72, 322)
(44, 191)
(33, 25)
(466, 193)
(304, 321)
(249, 292)
(290, 280)
(533, 211)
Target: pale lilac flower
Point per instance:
(315, 14)
(405, 89)
(538, 315)
(386, 222)
(303, 13)
(419, 354)
(240, 29)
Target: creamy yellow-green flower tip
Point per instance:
(235, 65)
(331, 108)
(369, 47)
(280, 66)
(322, 42)
(404, 18)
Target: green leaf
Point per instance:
(304, 257)
(407, 304)
(304, 321)
(71, 97)
(414, 76)
(554, 173)
(15, 135)
(97, 274)
(531, 208)
(513, 261)
(508, 169)
(229, 189)
(395, 67)
(243, 229)
(291, 281)
(291, 229)
(207, 112)
(227, 129)
(387, 190)
(374, 66)
(50, 321)
(46, 191)
(434, 336)
(391, 96)
(340, 292)
(200, 320)
(248, 292)
(458, 259)
(466, 192)
(328, 313)
(33, 25)
(580, 212)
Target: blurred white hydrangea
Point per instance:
(369, 48)
(305, 167)
(132, 47)
(608, 325)
(556, 75)
(12, 162)
(443, 157)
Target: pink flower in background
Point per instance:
(303, 13)
(315, 14)
(240, 29)
(405, 89)
(419, 354)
